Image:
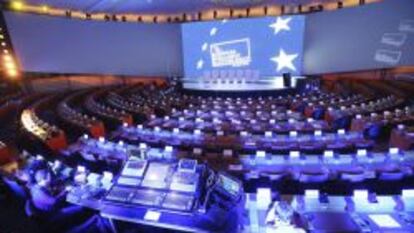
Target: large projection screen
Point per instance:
(243, 54)
(59, 45)
(374, 36)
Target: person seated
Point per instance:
(48, 204)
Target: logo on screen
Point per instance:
(394, 39)
(406, 26)
(234, 53)
(390, 57)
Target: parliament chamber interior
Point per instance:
(227, 116)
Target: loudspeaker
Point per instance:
(286, 80)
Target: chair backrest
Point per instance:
(353, 177)
(313, 178)
(391, 176)
(88, 157)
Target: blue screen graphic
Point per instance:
(249, 48)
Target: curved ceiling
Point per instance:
(160, 6)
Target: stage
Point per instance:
(242, 86)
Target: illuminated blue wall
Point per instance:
(61, 45)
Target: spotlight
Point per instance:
(7, 58)
(45, 8)
(12, 72)
(17, 5)
(10, 65)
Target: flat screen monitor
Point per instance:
(229, 186)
